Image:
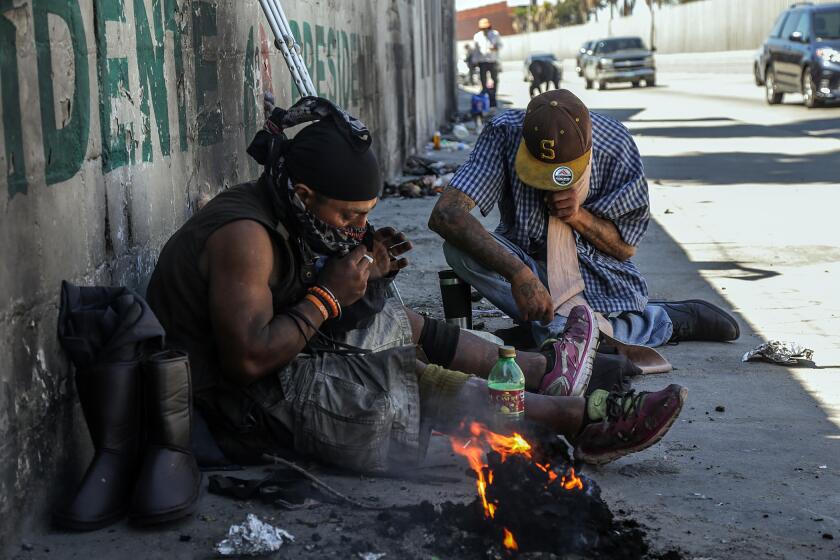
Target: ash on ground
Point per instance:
(543, 518)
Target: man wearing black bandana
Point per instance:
(277, 289)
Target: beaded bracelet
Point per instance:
(332, 295)
(328, 299)
(318, 304)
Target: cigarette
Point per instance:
(398, 244)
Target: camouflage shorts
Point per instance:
(358, 412)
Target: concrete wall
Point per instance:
(707, 26)
(115, 116)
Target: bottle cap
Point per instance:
(507, 352)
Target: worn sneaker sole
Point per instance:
(582, 380)
(583, 377)
(617, 454)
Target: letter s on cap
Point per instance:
(547, 149)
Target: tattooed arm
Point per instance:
(451, 219)
(601, 233)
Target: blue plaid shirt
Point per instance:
(618, 192)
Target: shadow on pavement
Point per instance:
(745, 167)
(749, 273)
(728, 481)
(821, 128)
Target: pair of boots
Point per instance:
(138, 415)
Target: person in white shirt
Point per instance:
(486, 45)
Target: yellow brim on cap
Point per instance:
(549, 176)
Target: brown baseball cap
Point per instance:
(556, 141)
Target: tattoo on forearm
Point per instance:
(604, 235)
(452, 220)
(527, 290)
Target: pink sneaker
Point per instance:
(573, 355)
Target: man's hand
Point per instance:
(563, 205)
(388, 245)
(347, 277)
(532, 298)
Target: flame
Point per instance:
(480, 441)
(509, 542)
(474, 448)
(504, 445)
(571, 481)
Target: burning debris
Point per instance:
(529, 500)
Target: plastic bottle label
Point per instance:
(508, 403)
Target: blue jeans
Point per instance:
(651, 327)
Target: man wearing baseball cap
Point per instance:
(486, 45)
(574, 206)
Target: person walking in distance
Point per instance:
(469, 60)
(486, 45)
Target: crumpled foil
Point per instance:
(778, 352)
(253, 538)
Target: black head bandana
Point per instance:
(331, 156)
(321, 158)
(334, 154)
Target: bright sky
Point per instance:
(467, 4)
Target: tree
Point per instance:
(556, 13)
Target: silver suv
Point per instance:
(619, 59)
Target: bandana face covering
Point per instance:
(322, 237)
(269, 148)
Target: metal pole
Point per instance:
(285, 42)
(289, 39)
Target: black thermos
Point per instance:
(457, 304)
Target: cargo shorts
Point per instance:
(359, 412)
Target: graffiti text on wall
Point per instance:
(146, 97)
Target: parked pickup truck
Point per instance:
(619, 59)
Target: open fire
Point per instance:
(482, 441)
(529, 501)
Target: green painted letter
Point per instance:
(319, 63)
(206, 75)
(117, 145)
(65, 147)
(171, 11)
(150, 61)
(296, 34)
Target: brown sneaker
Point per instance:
(633, 421)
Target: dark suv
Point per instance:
(802, 55)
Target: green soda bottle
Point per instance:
(507, 390)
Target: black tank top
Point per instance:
(178, 293)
